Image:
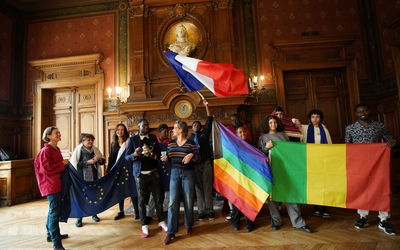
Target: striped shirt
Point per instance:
(177, 153)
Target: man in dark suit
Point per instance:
(143, 150)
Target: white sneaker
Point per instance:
(163, 226)
(145, 231)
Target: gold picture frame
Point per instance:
(194, 35)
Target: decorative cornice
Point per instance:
(223, 4)
(337, 41)
(180, 10)
(67, 61)
(136, 10)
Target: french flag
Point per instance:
(221, 79)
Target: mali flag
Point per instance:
(241, 173)
(353, 176)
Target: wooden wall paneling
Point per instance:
(222, 31)
(238, 31)
(85, 116)
(396, 59)
(24, 138)
(8, 133)
(47, 114)
(317, 53)
(137, 13)
(63, 111)
(19, 176)
(255, 115)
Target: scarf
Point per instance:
(86, 155)
(121, 150)
(310, 134)
(76, 155)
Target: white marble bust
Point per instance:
(182, 46)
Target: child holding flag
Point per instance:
(236, 213)
(272, 129)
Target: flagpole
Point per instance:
(202, 97)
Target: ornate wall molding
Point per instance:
(180, 10)
(222, 4)
(136, 10)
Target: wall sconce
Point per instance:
(255, 91)
(118, 102)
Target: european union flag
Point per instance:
(85, 198)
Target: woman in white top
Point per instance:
(317, 133)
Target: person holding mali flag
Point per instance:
(366, 130)
(272, 129)
(355, 175)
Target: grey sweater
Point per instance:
(262, 141)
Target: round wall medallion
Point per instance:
(183, 109)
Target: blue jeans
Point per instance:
(53, 218)
(182, 184)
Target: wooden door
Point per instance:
(74, 113)
(317, 89)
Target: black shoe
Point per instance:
(386, 227)
(137, 217)
(119, 215)
(201, 217)
(58, 246)
(306, 229)
(63, 236)
(361, 223)
(229, 216)
(325, 214)
(189, 230)
(249, 229)
(78, 223)
(95, 218)
(274, 227)
(317, 213)
(236, 228)
(211, 216)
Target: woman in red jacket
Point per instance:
(49, 164)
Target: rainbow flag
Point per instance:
(355, 176)
(241, 173)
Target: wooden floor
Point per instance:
(23, 227)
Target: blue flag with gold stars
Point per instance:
(86, 198)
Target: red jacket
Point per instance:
(48, 169)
